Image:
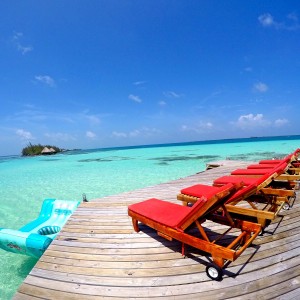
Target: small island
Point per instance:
(33, 150)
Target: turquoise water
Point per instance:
(25, 182)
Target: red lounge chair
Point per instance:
(271, 161)
(245, 202)
(266, 186)
(257, 172)
(172, 221)
(283, 169)
(292, 159)
(274, 179)
(234, 179)
(251, 172)
(275, 182)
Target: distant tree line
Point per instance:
(32, 150)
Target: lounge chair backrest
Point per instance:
(243, 193)
(287, 159)
(281, 168)
(204, 206)
(274, 162)
(260, 183)
(265, 179)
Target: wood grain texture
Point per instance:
(98, 255)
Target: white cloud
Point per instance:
(143, 132)
(199, 128)
(255, 121)
(17, 38)
(24, 135)
(17, 35)
(293, 19)
(90, 134)
(135, 98)
(208, 125)
(211, 96)
(281, 122)
(93, 119)
(119, 134)
(266, 20)
(139, 82)
(251, 120)
(260, 87)
(162, 103)
(134, 133)
(24, 50)
(46, 80)
(248, 69)
(291, 22)
(171, 94)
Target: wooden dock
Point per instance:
(97, 255)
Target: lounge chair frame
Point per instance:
(280, 185)
(252, 194)
(220, 254)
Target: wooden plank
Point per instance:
(202, 286)
(98, 255)
(290, 283)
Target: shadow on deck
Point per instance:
(97, 255)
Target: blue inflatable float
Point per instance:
(35, 237)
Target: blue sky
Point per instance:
(90, 74)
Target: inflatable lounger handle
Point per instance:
(23, 242)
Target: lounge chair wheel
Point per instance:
(286, 206)
(214, 272)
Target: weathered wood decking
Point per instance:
(97, 255)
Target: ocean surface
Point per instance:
(26, 181)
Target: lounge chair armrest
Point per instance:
(288, 177)
(278, 192)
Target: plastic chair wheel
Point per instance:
(214, 272)
(286, 206)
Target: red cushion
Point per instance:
(251, 171)
(242, 193)
(280, 168)
(261, 166)
(163, 212)
(286, 159)
(175, 215)
(261, 179)
(250, 189)
(206, 201)
(194, 209)
(201, 190)
(271, 161)
(234, 179)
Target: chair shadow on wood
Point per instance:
(268, 230)
(197, 255)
